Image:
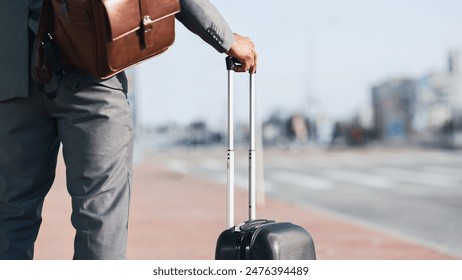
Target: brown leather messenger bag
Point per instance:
(101, 37)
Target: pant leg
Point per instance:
(28, 150)
(95, 127)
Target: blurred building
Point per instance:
(438, 102)
(425, 109)
(393, 104)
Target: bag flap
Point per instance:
(124, 16)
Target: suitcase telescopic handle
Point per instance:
(230, 64)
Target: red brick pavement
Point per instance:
(179, 216)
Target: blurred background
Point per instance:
(359, 110)
(331, 73)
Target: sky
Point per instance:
(315, 57)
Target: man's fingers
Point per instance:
(253, 68)
(240, 68)
(244, 67)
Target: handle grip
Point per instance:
(231, 62)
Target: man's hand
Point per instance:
(243, 50)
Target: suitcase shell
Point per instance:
(265, 240)
(256, 239)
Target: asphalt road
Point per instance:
(415, 194)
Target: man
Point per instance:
(91, 119)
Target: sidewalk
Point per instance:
(178, 216)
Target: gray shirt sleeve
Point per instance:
(203, 19)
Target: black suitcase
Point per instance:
(256, 239)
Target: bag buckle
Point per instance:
(146, 27)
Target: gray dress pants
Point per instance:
(92, 120)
